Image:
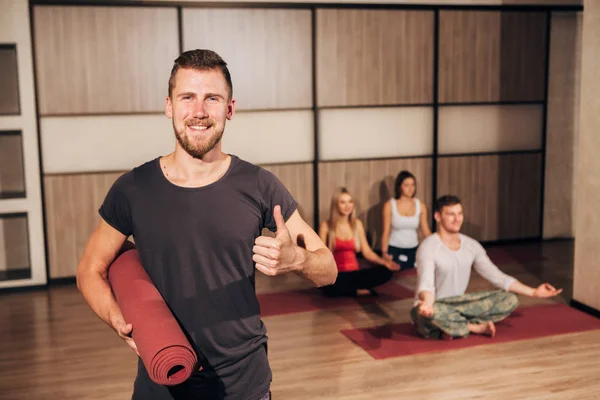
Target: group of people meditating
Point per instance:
(443, 261)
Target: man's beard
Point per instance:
(197, 150)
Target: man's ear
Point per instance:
(230, 109)
(168, 107)
(437, 217)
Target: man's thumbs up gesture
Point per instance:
(278, 255)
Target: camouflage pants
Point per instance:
(452, 315)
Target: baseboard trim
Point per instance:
(69, 280)
(585, 308)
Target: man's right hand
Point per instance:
(426, 310)
(124, 331)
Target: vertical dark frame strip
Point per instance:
(436, 56)
(23, 165)
(315, 108)
(180, 27)
(545, 121)
(39, 147)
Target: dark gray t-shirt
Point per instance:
(196, 245)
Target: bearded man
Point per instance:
(197, 216)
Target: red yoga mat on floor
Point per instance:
(281, 303)
(163, 347)
(399, 340)
(502, 256)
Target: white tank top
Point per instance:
(403, 233)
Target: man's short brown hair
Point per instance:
(200, 60)
(446, 200)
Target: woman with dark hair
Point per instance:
(403, 216)
(345, 235)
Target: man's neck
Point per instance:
(450, 239)
(184, 170)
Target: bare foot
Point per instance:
(485, 328)
(490, 329)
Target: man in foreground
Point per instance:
(196, 216)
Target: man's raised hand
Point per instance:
(278, 255)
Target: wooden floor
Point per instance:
(53, 347)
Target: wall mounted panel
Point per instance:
(374, 57)
(298, 179)
(268, 52)
(72, 202)
(12, 174)
(375, 132)
(562, 125)
(103, 60)
(14, 247)
(501, 194)
(9, 81)
(103, 143)
(489, 56)
(271, 136)
(490, 128)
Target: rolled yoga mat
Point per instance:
(162, 345)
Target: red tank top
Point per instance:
(345, 255)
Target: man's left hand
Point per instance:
(278, 255)
(546, 290)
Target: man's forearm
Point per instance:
(519, 288)
(96, 291)
(318, 266)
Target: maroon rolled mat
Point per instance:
(400, 340)
(281, 303)
(163, 347)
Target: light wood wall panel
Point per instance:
(349, 133)
(371, 184)
(94, 60)
(587, 234)
(12, 176)
(562, 124)
(72, 203)
(501, 194)
(487, 56)
(103, 142)
(271, 136)
(490, 128)
(374, 57)
(298, 179)
(9, 81)
(268, 52)
(14, 243)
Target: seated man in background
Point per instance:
(444, 262)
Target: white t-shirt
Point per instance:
(446, 272)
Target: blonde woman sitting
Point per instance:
(345, 235)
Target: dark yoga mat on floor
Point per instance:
(281, 303)
(501, 256)
(525, 323)
(163, 347)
